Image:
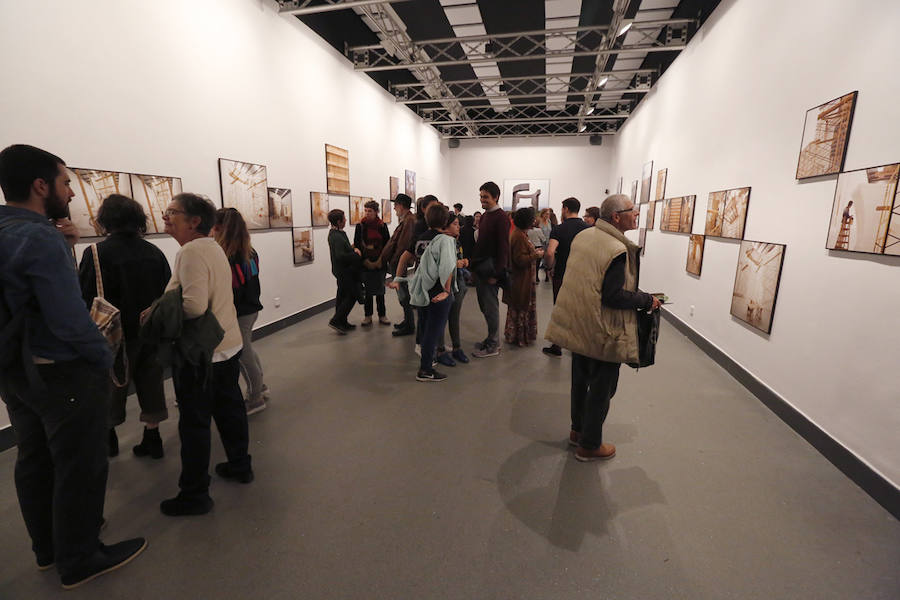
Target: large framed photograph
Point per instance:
(646, 179)
(244, 187)
(519, 193)
(678, 214)
(726, 213)
(337, 170)
(756, 283)
(91, 187)
(651, 214)
(281, 208)
(387, 210)
(634, 192)
(715, 213)
(410, 187)
(318, 208)
(695, 254)
(302, 242)
(357, 209)
(826, 133)
(154, 193)
(661, 177)
(865, 215)
(642, 239)
(393, 187)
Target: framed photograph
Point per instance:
(695, 254)
(410, 188)
(154, 193)
(634, 191)
(642, 238)
(387, 210)
(91, 187)
(826, 132)
(244, 187)
(715, 213)
(337, 170)
(318, 207)
(756, 283)
(302, 242)
(619, 186)
(651, 214)
(865, 215)
(519, 193)
(394, 187)
(281, 208)
(357, 210)
(726, 213)
(661, 176)
(678, 214)
(646, 179)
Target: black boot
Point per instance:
(151, 445)
(113, 442)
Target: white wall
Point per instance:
(169, 86)
(729, 113)
(574, 168)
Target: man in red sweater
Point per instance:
(490, 260)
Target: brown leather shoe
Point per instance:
(574, 437)
(604, 452)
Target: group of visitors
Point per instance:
(72, 342)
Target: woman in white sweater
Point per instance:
(204, 275)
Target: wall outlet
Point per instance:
(277, 302)
(692, 309)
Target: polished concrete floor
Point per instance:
(371, 485)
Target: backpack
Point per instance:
(109, 322)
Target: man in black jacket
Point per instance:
(345, 262)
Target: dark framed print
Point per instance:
(387, 210)
(91, 187)
(865, 214)
(318, 208)
(410, 187)
(642, 239)
(661, 177)
(357, 209)
(634, 191)
(393, 187)
(281, 208)
(244, 187)
(826, 133)
(646, 180)
(154, 192)
(756, 283)
(726, 213)
(695, 254)
(337, 170)
(651, 214)
(302, 243)
(678, 214)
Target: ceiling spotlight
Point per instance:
(625, 28)
(590, 111)
(602, 82)
(582, 128)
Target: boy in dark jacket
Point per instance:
(345, 262)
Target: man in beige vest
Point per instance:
(595, 317)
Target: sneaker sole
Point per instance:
(46, 567)
(486, 355)
(72, 586)
(256, 409)
(338, 329)
(593, 458)
(430, 379)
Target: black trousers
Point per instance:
(344, 300)
(220, 399)
(594, 384)
(409, 314)
(62, 464)
(147, 374)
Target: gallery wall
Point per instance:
(168, 87)
(572, 165)
(729, 113)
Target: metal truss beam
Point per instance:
(306, 7)
(525, 120)
(514, 47)
(527, 130)
(634, 90)
(519, 111)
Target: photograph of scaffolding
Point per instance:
(715, 213)
(865, 216)
(642, 238)
(646, 179)
(678, 214)
(154, 193)
(393, 187)
(337, 170)
(756, 283)
(695, 254)
(651, 214)
(318, 208)
(91, 187)
(357, 209)
(244, 187)
(302, 240)
(281, 208)
(726, 213)
(387, 210)
(826, 133)
(410, 187)
(661, 177)
(519, 193)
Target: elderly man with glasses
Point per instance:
(596, 318)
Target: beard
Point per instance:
(55, 207)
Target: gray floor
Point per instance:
(370, 485)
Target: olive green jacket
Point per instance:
(580, 322)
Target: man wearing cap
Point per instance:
(390, 256)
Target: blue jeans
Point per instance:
(433, 321)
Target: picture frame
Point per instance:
(91, 187)
(826, 134)
(393, 187)
(646, 181)
(154, 193)
(410, 184)
(651, 215)
(318, 209)
(634, 192)
(726, 213)
(678, 214)
(642, 239)
(244, 186)
(695, 254)
(756, 283)
(281, 208)
(303, 249)
(865, 212)
(337, 170)
(387, 210)
(661, 177)
(357, 210)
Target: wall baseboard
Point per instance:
(873, 483)
(8, 437)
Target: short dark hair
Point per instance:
(335, 216)
(121, 213)
(593, 212)
(491, 188)
(572, 205)
(458, 206)
(477, 212)
(195, 205)
(451, 216)
(428, 200)
(524, 217)
(469, 221)
(403, 200)
(436, 215)
(20, 165)
(373, 205)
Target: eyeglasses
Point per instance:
(627, 210)
(172, 211)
